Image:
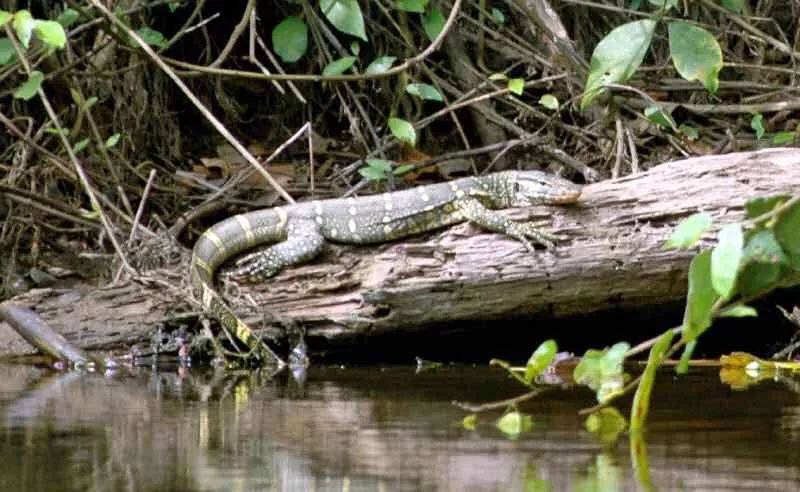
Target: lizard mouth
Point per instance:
(565, 198)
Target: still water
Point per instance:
(375, 429)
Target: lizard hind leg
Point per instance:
(303, 242)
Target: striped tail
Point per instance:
(221, 242)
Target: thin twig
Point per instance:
(197, 103)
(475, 408)
(237, 31)
(82, 176)
(140, 209)
(408, 63)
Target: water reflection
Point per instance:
(373, 429)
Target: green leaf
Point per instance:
(290, 39)
(602, 371)
(380, 64)
(761, 205)
(403, 131)
(701, 297)
(112, 140)
(89, 103)
(549, 101)
(337, 67)
(763, 247)
(29, 89)
(433, 23)
(515, 423)
(606, 424)
(401, 170)
(516, 86)
(416, 6)
(657, 115)
(380, 164)
(67, 17)
(470, 422)
(614, 357)
(695, 54)
(80, 145)
(425, 91)
(7, 53)
(660, 3)
(787, 232)
(498, 16)
(23, 25)
(355, 48)
(734, 5)
(757, 124)
(53, 131)
(372, 174)
(782, 138)
(726, 258)
(738, 311)
(690, 132)
(617, 56)
(376, 169)
(345, 15)
(152, 37)
(689, 231)
(540, 359)
(758, 276)
(5, 17)
(641, 400)
(51, 33)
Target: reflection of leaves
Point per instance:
(603, 474)
(533, 482)
(641, 461)
(741, 370)
(606, 424)
(641, 400)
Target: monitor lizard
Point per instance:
(297, 233)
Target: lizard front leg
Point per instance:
(476, 213)
(303, 242)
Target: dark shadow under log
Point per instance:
(612, 259)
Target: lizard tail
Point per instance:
(219, 243)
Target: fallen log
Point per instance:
(613, 258)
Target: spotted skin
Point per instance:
(296, 233)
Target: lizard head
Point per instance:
(526, 188)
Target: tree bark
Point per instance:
(612, 258)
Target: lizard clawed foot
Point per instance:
(252, 268)
(529, 234)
